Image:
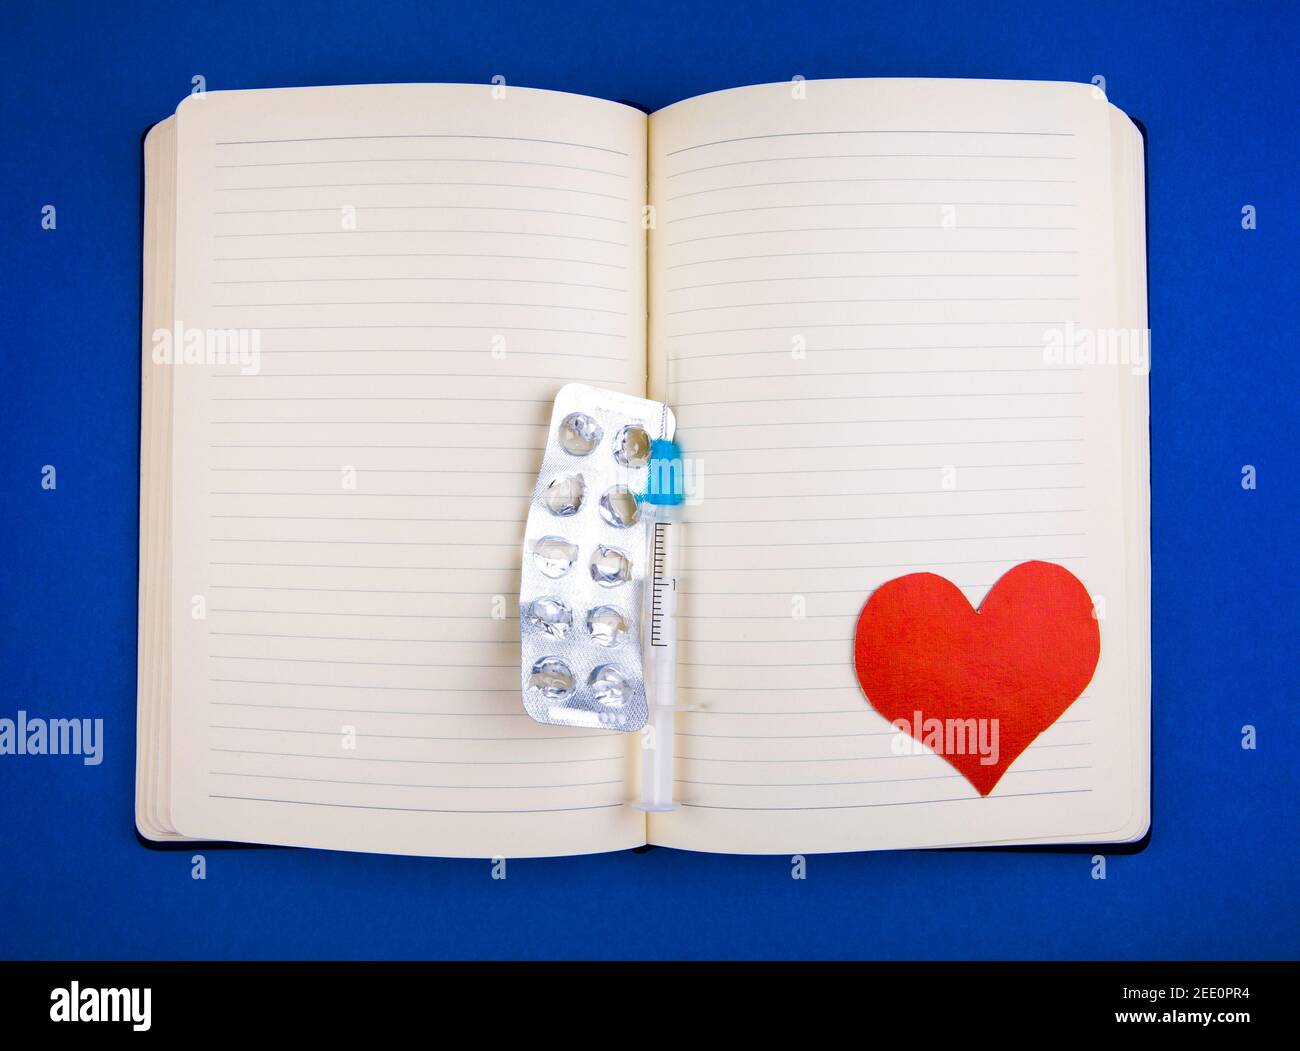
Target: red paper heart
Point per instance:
(922, 654)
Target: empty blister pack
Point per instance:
(585, 561)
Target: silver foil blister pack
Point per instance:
(586, 546)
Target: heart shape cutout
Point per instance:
(930, 663)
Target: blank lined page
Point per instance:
(425, 267)
(852, 284)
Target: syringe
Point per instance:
(663, 499)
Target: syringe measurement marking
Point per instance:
(657, 583)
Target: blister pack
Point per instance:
(586, 559)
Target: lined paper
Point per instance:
(426, 266)
(851, 291)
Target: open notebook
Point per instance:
(843, 288)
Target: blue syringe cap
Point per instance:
(666, 485)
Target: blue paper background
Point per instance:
(1217, 89)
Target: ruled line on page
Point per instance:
(860, 302)
(867, 131)
(880, 204)
(403, 784)
(411, 207)
(851, 229)
(849, 277)
(333, 210)
(424, 325)
(423, 232)
(803, 158)
(370, 711)
(425, 135)
(617, 757)
(873, 736)
(880, 251)
(877, 397)
(582, 308)
(417, 255)
(801, 544)
(317, 279)
(931, 468)
(379, 374)
(784, 761)
(418, 810)
(393, 737)
(954, 180)
(365, 686)
(328, 161)
(953, 323)
(893, 803)
(876, 781)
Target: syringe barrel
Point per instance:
(657, 755)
